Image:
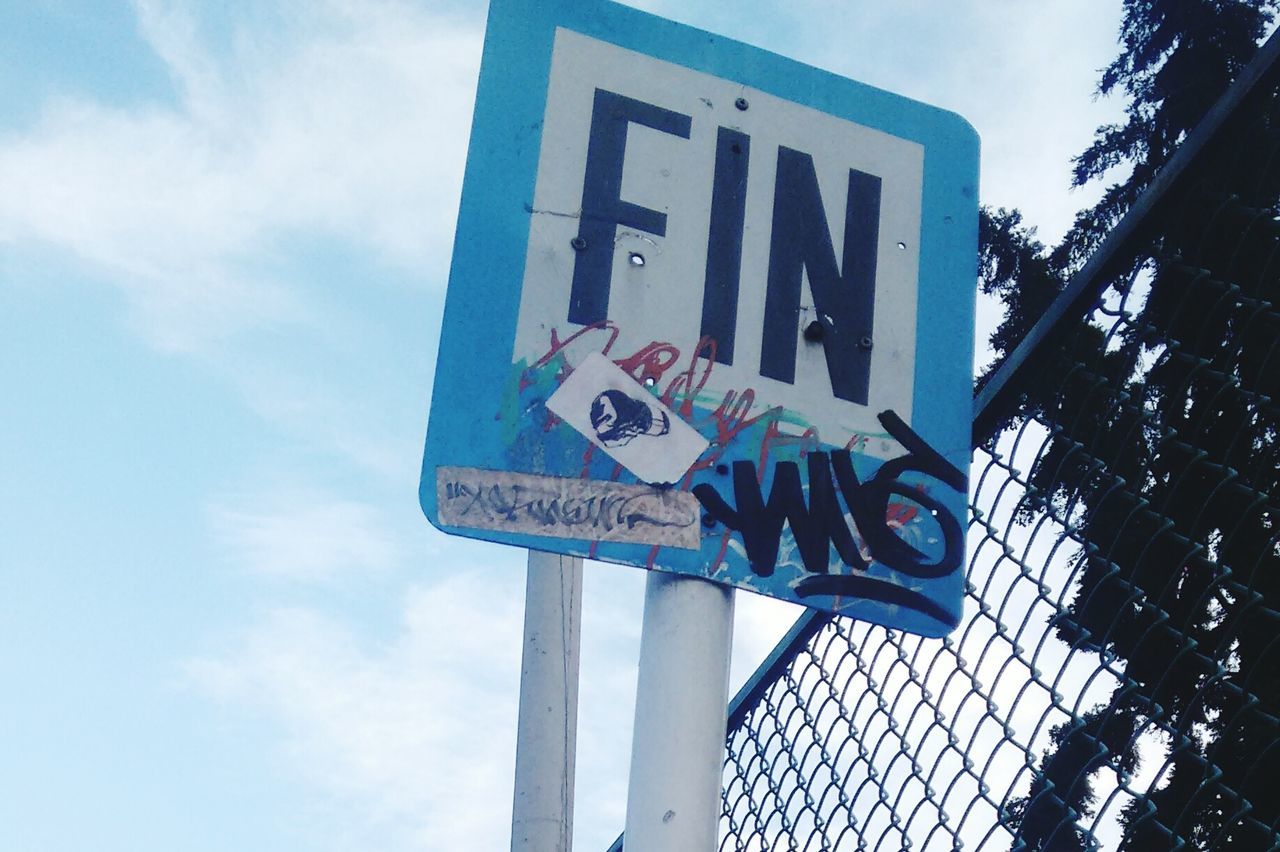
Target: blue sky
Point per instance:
(224, 240)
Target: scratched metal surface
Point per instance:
(1114, 681)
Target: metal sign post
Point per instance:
(542, 812)
(677, 747)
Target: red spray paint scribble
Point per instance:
(684, 383)
(557, 346)
(900, 514)
(857, 443)
(724, 549)
(774, 435)
(648, 365)
(730, 417)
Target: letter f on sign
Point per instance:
(603, 209)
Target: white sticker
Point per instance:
(617, 414)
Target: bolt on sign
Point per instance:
(710, 312)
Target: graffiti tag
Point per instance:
(819, 523)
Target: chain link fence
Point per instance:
(1115, 683)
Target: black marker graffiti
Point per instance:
(617, 419)
(820, 524)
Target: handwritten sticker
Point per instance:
(617, 414)
(561, 507)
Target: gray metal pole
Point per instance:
(677, 750)
(542, 812)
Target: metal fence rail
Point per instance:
(1116, 680)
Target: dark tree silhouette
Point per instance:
(1164, 451)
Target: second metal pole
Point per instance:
(542, 813)
(677, 750)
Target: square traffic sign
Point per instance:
(710, 312)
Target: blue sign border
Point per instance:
(494, 219)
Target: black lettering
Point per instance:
(724, 241)
(843, 297)
(603, 209)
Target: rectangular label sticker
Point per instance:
(619, 415)
(559, 507)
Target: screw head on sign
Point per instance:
(865, 343)
(741, 103)
(578, 243)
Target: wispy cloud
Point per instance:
(347, 124)
(304, 536)
(377, 723)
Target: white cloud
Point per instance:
(414, 734)
(349, 123)
(305, 536)
(412, 731)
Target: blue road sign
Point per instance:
(710, 312)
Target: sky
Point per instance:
(225, 231)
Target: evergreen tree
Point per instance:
(1164, 450)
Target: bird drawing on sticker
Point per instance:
(618, 419)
